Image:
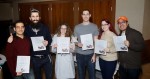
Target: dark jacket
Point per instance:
(132, 58)
(44, 31)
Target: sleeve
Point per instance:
(75, 31)
(112, 48)
(138, 43)
(72, 44)
(48, 37)
(11, 59)
(96, 32)
(54, 41)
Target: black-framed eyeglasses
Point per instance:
(123, 22)
(104, 24)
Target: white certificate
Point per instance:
(100, 45)
(37, 43)
(87, 41)
(63, 44)
(119, 43)
(23, 64)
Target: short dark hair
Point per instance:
(86, 10)
(18, 21)
(34, 10)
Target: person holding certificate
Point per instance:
(64, 57)
(18, 45)
(85, 57)
(40, 50)
(108, 61)
(130, 61)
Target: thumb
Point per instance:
(11, 34)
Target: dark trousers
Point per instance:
(83, 62)
(126, 73)
(42, 62)
(6, 72)
(107, 68)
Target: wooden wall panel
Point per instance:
(62, 13)
(102, 10)
(85, 5)
(24, 12)
(54, 13)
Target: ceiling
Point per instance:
(6, 1)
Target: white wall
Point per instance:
(6, 11)
(134, 10)
(146, 21)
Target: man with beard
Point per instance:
(40, 59)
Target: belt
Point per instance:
(40, 56)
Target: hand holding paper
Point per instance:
(87, 43)
(23, 64)
(37, 43)
(120, 42)
(100, 47)
(45, 42)
(63, 44)
(126, 42)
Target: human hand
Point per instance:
(45, 42)
(19, 73)
(93, 59)
(10, 39)
(126, 42)
(71, 47)
(54, 45)
(80, 44)
(107, 50)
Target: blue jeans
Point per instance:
(107, 68)
(126, 73)
(83, 62)
(45, 63)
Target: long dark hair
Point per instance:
(111, 28)
(68, 31)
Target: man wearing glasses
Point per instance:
(130, 61)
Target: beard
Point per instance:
(35, 25)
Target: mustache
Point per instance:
(35, 25)
(35, 20)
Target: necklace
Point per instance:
(35, 30)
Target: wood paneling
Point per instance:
(62, 12)
(44, 13)
(54, 13)
(24, 12)
(83, 6)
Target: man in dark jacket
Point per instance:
(130, 61)
(40, 59)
